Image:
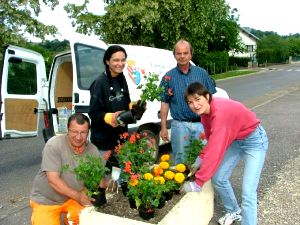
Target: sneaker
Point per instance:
(230, 218)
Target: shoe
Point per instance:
(229, 218)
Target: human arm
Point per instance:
(164, 110)
(62, 188)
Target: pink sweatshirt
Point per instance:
(227, 121)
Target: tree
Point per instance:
(18, 17)
(160, 23)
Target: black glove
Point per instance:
(138, 109)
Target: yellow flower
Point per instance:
(164, 165)
(179, 177)
(165, 157)
(180, 167)
(161, 180)
(133, 183)
(148, 176)
(169, 175)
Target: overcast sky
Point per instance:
(269, 15)
(266, 15)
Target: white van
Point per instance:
(66, 90)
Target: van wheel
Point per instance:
(152, 140)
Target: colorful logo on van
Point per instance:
(134, 72)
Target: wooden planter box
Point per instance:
(193, 209)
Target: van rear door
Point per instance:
(21, 96)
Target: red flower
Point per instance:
(202, 136)
(106, 155)
(127, 167)
(167, 78)
(124, 135)
(170, 93)
(132, 139)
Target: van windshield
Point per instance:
(89, 64)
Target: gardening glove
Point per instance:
(196, 165)
(138, 109)
(190, 187)
(110, 118)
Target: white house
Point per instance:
(249, 41)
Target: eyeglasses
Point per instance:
(81, 133)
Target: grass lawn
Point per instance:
(233, 73)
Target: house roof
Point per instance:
(250, 35)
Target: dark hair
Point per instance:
(80, 119)
(197, 88)
(111, 50)
(181, 41)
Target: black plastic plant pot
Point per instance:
(126, 117)
(146, 213)
(124, 187)
(100, 198)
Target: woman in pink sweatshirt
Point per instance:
(233, 132)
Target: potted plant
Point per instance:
(90, 171)
(194, 149)
(150, 91)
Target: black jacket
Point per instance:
(108, 95)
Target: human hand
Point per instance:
(164, 135)
(190, 187)
(196, 165)
(83, 199)
(111, 118)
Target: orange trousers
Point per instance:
(50, 214)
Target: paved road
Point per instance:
(279, 112)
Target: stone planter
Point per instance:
(193, 208)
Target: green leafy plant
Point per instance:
(150, 89)
(194, 148)
(90, 171)
(135, 154)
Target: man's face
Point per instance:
(77, 134)
(183, 54)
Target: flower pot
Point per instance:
(146, 213)
(132, 203)
(168, 195)
(100, 198)
(126, 117)
(124, 187)
(162, 202)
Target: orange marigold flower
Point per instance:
(134, 176)
(180, 167)
(157, 171)
(125, 135)
(148, 176)
(164, 165)
(179, 177)
(133, 183)
(169, 175)
(106, 155)
(165, 157)
(160, 179)
(202, 136)
(170, 92)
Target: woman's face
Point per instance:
(199, 104)
(116, 63)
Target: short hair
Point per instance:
(182, 41)
(80, 119)
(111, 50)
(197, 88)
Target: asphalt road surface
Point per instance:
(273, 93)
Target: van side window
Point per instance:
(89, 64)
(22, 78)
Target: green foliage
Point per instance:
(150, 89)
(272, 49)
(160, 23)
(239, 61)
(90, 171)
(193, 150)
(215, 62)
(17, 19)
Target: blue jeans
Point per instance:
(252, 150)
(181, 132)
